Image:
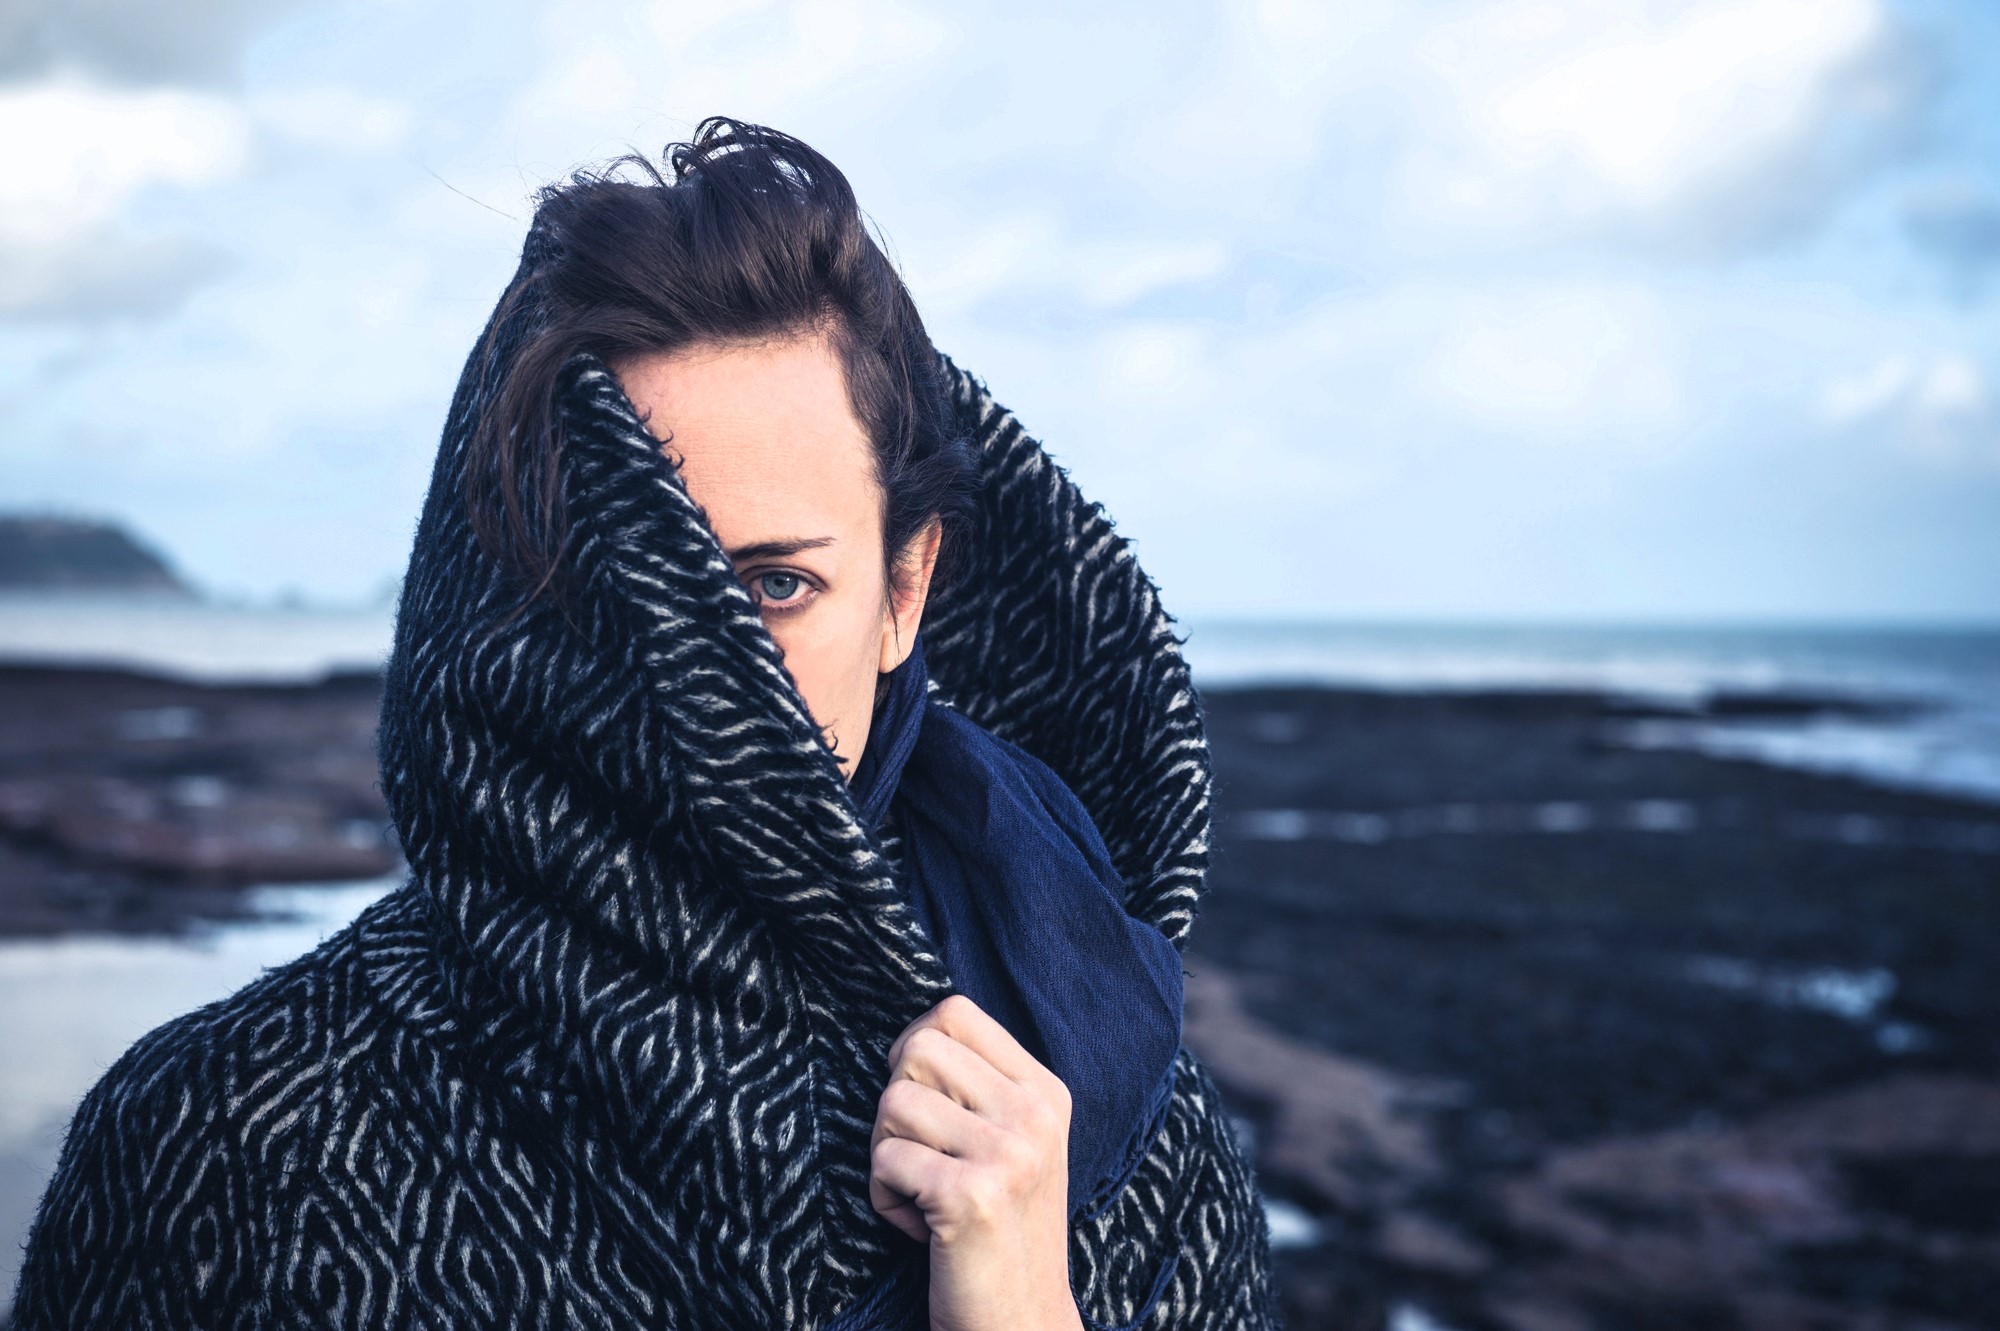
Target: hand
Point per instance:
(971, 1154)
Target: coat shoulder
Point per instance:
(153, 1216)
(1186, 1243)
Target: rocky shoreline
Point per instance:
(1529, 1028)
(134, 803)
(1551, 1033)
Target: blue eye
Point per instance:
(778, 586)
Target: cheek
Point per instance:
(832, 651)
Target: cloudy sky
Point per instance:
(1633, 309)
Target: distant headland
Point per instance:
(51, 552)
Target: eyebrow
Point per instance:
(777, 549)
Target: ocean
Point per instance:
(1923, 704)
(1918, 708)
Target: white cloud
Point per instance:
(75, 155)
(1287, 83)
(666, 65)
(1035, 251)
(1118, 274)
(984, 259)
(333, 116)
(1953, 387)
(1937, 407)
(1144, 361)
(1269, 273)
(104, 273)
(1697, 126)
(1562, 360)
(1702, 123)
(1651, 117)
(132, 41)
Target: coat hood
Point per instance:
(641, 893)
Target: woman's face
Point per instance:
(769, 446)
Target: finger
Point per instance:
(971, 1025)
(920, 1113)
(895, 1205)
(905, 1178)
(938, 1059)
(937, 1017)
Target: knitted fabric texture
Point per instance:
(609, 1057)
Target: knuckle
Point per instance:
(1016, 1156)
(900, 1096)
(1044, 1118)
(982, 1194)
(1059, 1096)
(925, 1045)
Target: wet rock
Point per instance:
(131, 801)
(1726, 1035)
(1335, 1130)
(1749, 1219)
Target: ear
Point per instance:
(904, 609)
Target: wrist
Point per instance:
(1063, 1314)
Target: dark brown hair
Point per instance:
(751, 235)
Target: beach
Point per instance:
(1548, 1031)
(1538, 1008)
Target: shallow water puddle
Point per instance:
(1855, 995)
(1410, 1317)
(1564, 817)
(1557, 817)
(1292, 1226)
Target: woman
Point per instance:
(805, 807)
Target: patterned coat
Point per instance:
(609, 1058)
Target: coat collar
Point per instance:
(634, 864)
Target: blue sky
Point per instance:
(1578, 309)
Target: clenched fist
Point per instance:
(971, 1154)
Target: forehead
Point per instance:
(767, 440)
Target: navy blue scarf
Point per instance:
(1015, 887)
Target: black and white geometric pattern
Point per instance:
(610, 1057)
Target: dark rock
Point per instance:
(1719, 1027)
(50, 553)
(134, 802)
